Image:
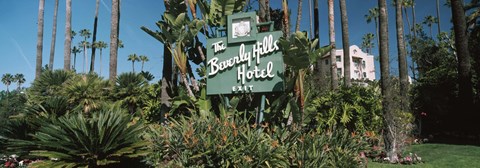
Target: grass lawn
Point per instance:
(440, 155)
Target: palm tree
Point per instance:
(368, 43)
(402, 57)
(405, 4)
(346, 44)
(316, 26)
(54, 37)
(438, 16)
(85, 33)
(333, 68)
(429, 20)
(144, 59)
(75, 50)
(390, 143)
(461, 44)
(134, 58)
(286, 20)
(20, 79)
(86, 92)
(94, 38)
(414, 23)
(299, 15)
(128, 89)
(373, 15)
(68, 36)
(7, 79)
(38, 66)
(114, 25)
(100, 45)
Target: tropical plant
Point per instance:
(7, 79)
(373, 14)
(109, 138)
(134, 58)
(299, 53)
(129, 90)
(68, 35)
(49, 84)
(143, 59)
(75, 50)
(368, 43)
(100, 45)
(19, 79)
(86, 91)
(38, 64)
(429, 21)
(85, 33)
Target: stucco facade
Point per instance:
(362, 65)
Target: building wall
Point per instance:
(362, 65)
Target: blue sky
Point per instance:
(18, 31)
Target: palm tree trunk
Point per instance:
(413, 19)
(310, 18)
(85, 59)
(402, 57)
(438, 16)
(463, 55)
(94, 37)
(54, 36)
(346, 44)
(316, 21)
(114, 25)
(286, 20)
(408, 19)
(68, 36)
(38, 67)
(262, 10)
(100, 62)
(333, 68)
(185, 82)
(133, 66)
(74, 60)
(390, 139)
(299, 15)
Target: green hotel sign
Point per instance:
(244, 61)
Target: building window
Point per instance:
(363, 64)
(326, 62)
(339, 72)
(364, 75)
(339, 59)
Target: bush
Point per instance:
(105, 139)
(214, 142)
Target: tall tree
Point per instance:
(368, 43)
(316, 20)
(402, 56)
(333, 68)
(373, 15)
(38, 66)
(75, 51)
(461, 47)
(101, 45)
(20, 79)
(54, 37)
(429, 21)
(85, 33)
(114, 32)
(7, 79)
(414, 23)
(68, 36)
(134, 58)
(94, 37)
(438, 16)
(286, 19)
(143, 59)
(405, 4)
(299, 15)
(346, 44)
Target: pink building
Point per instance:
(362, 65)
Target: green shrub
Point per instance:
(73, 140)
(214, 142)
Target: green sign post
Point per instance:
(245, 61)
